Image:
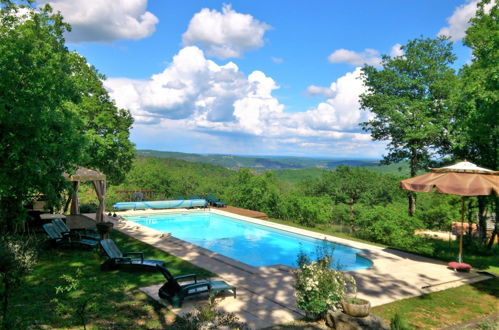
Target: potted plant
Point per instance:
(356, 307)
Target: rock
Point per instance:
(342, 321)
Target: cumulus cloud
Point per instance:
(396, 50)
(194, 94)
(460, 20)
(369, 56)
(225, 34)
(105, 21)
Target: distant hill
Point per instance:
(259, 162)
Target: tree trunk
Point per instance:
(414, 169)
(352, 215)
(496, 226)
(412, 203)
(482, 219)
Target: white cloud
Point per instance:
(105, 21)
(277, 60)
(225, 34)
(313, 90)
(369, 56)
(459, 21)
(396, 50)
(208, 101)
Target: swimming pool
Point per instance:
(250, 243)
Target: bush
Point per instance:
(318, 288)
(88, 208)
(305, 210)
(388, 225)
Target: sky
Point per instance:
(276, 77)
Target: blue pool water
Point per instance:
(247, 242)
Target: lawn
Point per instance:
(446, 308)
(114, 298)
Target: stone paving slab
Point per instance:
(266, 294)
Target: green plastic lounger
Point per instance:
(175, 293)
(64, 229)
(214, 201)
(117, 259)
(58, 239)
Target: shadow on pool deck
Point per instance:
(266, 295)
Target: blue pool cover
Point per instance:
(187, 203)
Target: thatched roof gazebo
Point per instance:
(99, 181)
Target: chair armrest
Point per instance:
(141, 254)
(186, 276)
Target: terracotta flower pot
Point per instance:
(356, 307)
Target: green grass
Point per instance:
(445, 308)
(120, 303)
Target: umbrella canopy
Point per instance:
(463, 179)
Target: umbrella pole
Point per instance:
(460, 258)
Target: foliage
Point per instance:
(73, 298)
(438, 213)
(318, 288)
(305, 210)
(39, 137)
(104, 126)
(410, 97)
(388, 225)
(208, 316)
(255, 192)
(121, 304)
(398, 322)
(17, 258)
(54, 112)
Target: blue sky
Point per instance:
(251, 77)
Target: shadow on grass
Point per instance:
(119, 302)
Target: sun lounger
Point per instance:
(64, 229)
(57, 238)
(175, 293)
(117, 259)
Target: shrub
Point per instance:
(388, 225)
(17, 258)
(305, 210)
(88, 208)
(318, 288)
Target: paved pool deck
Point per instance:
(265, 294)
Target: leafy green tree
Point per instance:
(39, 137)
(258, 193)
(476, 127)
(410, 97)
(105, 127)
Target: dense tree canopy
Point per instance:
(410, 97)
(55, 114)
(38, 125)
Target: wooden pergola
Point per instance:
(99, 181)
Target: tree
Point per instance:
(55, 114)
(476, 129)
(105, 127)
(410, 97)
(39, 138)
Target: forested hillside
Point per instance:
(260, 162)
